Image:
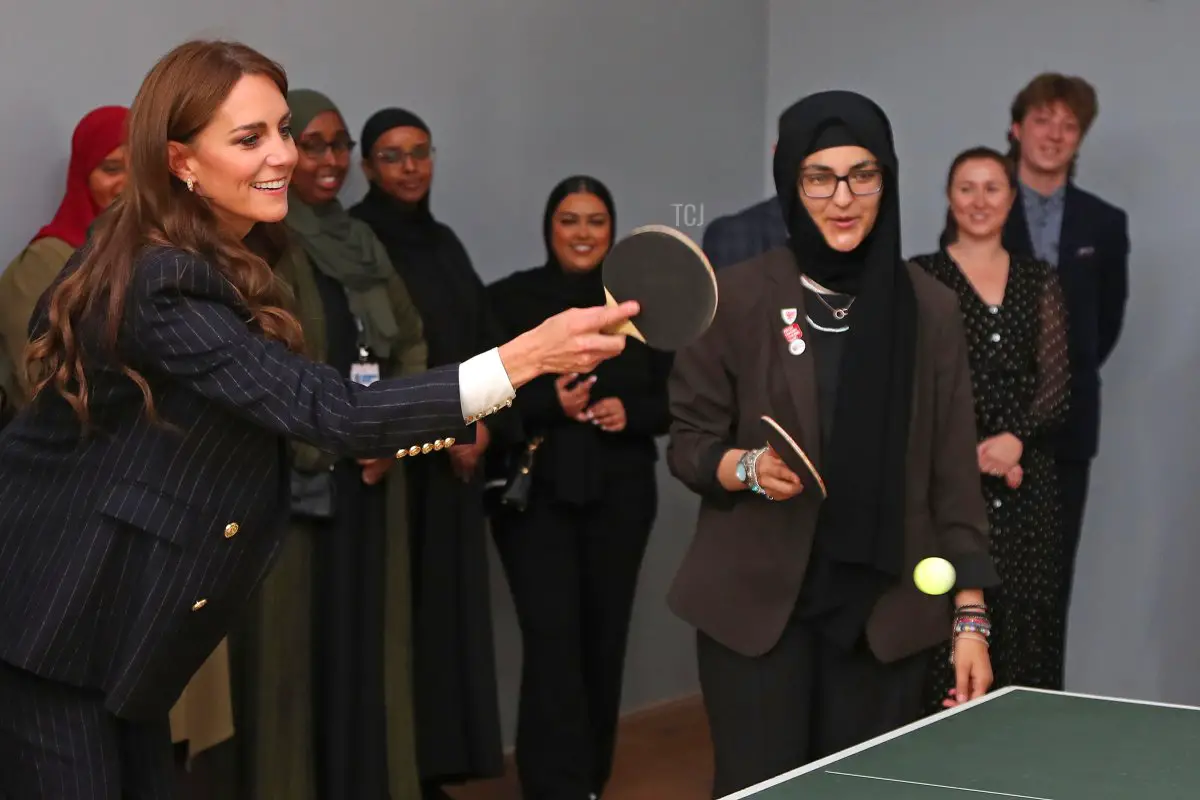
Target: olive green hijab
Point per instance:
(340, 246)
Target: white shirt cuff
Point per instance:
(483, 385)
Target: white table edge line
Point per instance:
(1128, 700)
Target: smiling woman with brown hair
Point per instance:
(144, 491)
(1016, 323)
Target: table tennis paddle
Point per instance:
(671, 280)
(792, 455)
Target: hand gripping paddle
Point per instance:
(790, 453)
(672, 281)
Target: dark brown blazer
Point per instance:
(741, 576)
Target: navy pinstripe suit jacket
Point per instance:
(125, 554)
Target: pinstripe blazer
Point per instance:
(125, 554)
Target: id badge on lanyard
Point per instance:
(366, 370)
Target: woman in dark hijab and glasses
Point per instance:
(454, 678)
(811, 635)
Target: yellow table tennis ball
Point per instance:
(934, 576)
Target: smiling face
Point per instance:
(324, 159)
(980, 198)
(401, 163)
(107, 180)
(827, 178)
(580, 232)
(1049, 137)
(243, 159)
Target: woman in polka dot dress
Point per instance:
(1016, 330)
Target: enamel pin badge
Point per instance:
(794, 337)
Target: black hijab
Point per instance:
(566, 289)
(575, 449)
(860, 533)
(428, 255)
(414, 222)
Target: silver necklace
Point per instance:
(822, 328)
(819, 290)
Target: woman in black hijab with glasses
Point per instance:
(573, 555)
(454, 674)
(811, 635)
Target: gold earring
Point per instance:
(191, 182)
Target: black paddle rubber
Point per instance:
(672, 281)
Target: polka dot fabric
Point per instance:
(1019, 372)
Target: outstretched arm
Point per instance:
(187, 322)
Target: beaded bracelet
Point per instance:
(971, 621)
(971, 608)
(972, 626)
(972, 613)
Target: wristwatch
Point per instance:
(746, 472)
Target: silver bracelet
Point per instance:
(752, 472)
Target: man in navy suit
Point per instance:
(745, 234)
(1087, 240)
(741, 236)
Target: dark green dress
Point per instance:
(323, 697)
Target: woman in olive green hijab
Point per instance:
(323, 701)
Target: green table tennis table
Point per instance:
(1021, 743)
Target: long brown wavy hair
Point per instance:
(177, 99)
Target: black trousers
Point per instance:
(1073, 477)
(573, 574)
(802, 701)
(58, 741)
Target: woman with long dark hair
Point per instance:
(144, 491)
(573, 555)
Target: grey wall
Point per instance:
(673, 101)
(946, 72)
(662, 99)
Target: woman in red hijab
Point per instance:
(95, 177)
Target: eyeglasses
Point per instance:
(317, 148)
(394, 155)
(823, 185)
